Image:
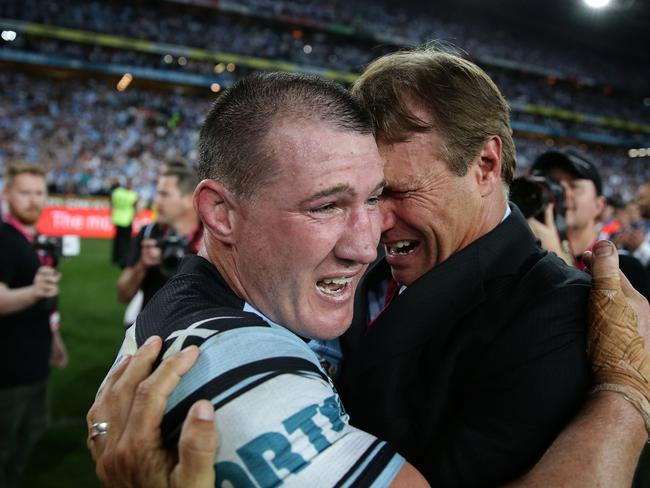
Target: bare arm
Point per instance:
(132, 277)
(14, 300)
(409, 477)
(601, 447)
(45, 285)
(130, 281)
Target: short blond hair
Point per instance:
(19, 168)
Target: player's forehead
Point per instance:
(318, 157)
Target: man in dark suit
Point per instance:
(479, 361)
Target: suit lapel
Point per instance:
(431, 308)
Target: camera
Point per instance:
(173, 248)
(49, 249)
(533, 193)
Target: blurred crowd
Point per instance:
(520, 88)
(376, 26)
(90, 135)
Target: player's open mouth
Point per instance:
(401, 248)
(333, 286)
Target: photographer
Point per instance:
(635, 236)
(28, 322)
(158, 247)
(584, 203)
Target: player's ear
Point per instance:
(217, 208)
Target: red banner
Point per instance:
(85, 222)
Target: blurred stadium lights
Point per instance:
(8, 36)
(231, 67)
(124, 82)
(168, 58)
(596, 3)
(182, 60)
(219, 68)
(642, 152)
(307, 49)
(215, 87)
(646, 101)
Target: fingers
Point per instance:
(46, 282)
(150, 255)
(113, 403)
(197, 448)
(604, 262)
(533, 223)
(152, 394)
(549, 218)
(140, 366)
(114, 375)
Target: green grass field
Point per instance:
(92, 330)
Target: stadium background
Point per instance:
(99, 90)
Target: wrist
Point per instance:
(33, 295)
(632, 406)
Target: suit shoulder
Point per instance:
(550, 271)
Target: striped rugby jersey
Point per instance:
(280, 420)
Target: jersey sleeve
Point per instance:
(280, 421)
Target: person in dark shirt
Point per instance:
(28, 322)
(177, 229)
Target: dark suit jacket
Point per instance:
(472, 371)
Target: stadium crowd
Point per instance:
(520, 88)
(227, 30)
(140, 129)
(88, 137)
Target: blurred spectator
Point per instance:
(123, 207)
(584, 202)
(610, 218)
(635, 236)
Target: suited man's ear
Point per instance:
(488, 174)
(217, 208)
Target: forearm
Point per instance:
(130, 281)
(600, 447)
(16, 299)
